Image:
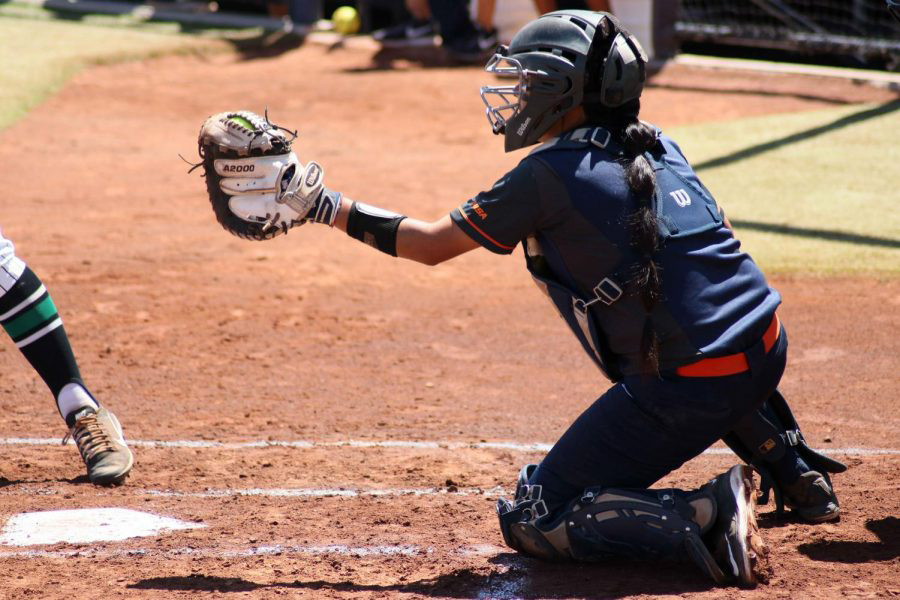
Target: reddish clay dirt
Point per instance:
(191, 334)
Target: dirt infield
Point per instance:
(340, 423)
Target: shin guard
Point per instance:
(610, 523)
(765, 435)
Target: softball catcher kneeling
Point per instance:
(639, 261)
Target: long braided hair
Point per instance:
(637, 138)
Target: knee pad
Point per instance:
(763, 437)
(517, 519)
(609, 522)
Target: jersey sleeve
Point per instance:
(501, 217)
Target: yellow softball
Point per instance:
(345, 20)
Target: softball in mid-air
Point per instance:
(345, 20)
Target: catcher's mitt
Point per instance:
(257, 186)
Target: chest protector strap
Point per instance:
(574, 309)
(581, 138)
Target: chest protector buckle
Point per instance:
(607, 292)
(601, 137)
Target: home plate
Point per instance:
(83, 525)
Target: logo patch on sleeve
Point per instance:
(479, 211)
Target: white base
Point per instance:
(81, 526)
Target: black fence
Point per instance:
(860, 31)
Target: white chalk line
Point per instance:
(46, 490)
(269, 550)
(498, 589)
(424, 445)
(302, 444)
(327, 493)
(262, 550)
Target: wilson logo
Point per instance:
(239, 168)
(523, 127)
(313, 175)
(681, 197)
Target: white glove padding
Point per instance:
(275, 190)
(257, 187)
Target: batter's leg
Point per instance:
(30, 318)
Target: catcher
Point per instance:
(640, 262)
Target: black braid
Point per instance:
(637, 138)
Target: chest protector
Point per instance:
(608, 320)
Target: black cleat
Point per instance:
(812, 498)
(734, 538)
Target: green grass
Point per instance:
(826, 182)
(40, 54)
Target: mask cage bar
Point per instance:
(503, 99)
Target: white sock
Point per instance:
(73, 398)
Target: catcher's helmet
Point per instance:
(549, 58)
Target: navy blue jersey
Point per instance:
(569, 204)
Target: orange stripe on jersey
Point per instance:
(462, 211)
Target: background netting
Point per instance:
(861, 29)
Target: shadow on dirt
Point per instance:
(389, 59)
(521, 578)
(887, 548)
(266, 45)
(80, 480)
(772, 519)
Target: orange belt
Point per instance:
(731, 364)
